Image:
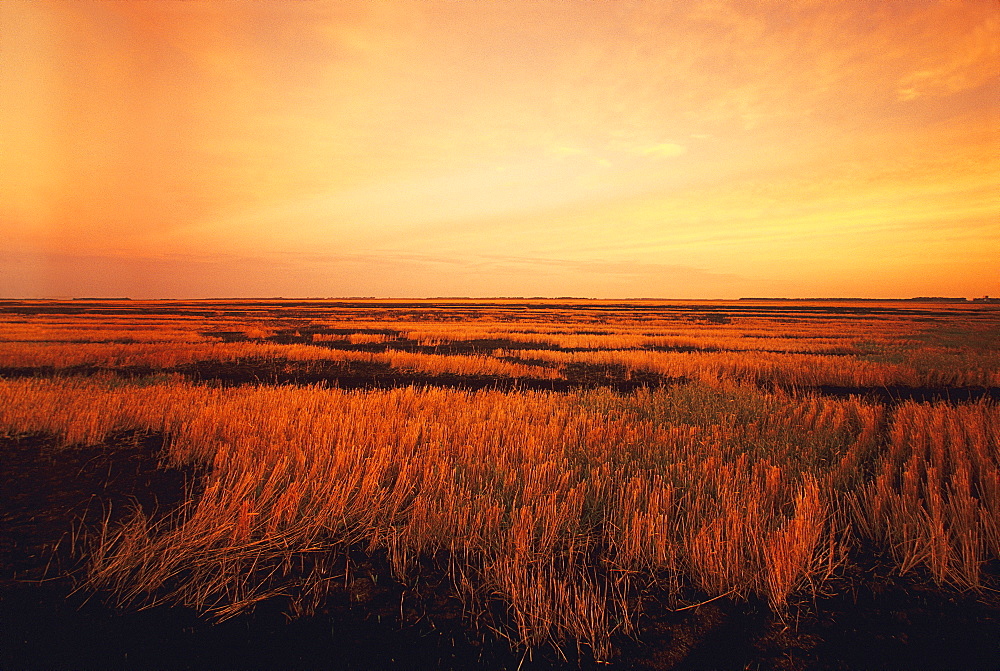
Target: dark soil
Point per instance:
(50, 495)
(363, 375)
(880, 623)
(473, 346)
(46, 487)
(894, 395)
(367, 375)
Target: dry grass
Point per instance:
(562, 507)
(804, 370)
(865, 352)
(934, 498)
(559, 505)
(170, 355)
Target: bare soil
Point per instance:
(372, 375)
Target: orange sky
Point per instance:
(694, 149)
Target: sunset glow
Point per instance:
(704, 149)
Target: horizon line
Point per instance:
(928, 299)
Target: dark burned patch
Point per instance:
(871, 617)
(11, 372)
(678, 348)
(615, 376)
(541, 363)
(280, 371)
(83, 370)
(290, 337)
(712, 318)
(305, 335)
(347, 375)
(575, 332)
(888, 623)
(379, 375)
(225, 336)
(488, 346)
(50, 498)
(46, 489)
(352, 375)
(472, 347)
(894, 622)
(894, 395)
(690, 348)
(348, 346)
(476, 346)
(479, 346)
(364, 375)
(325, 330)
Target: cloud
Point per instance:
(663, 150)
(958, 56)
(942, 81)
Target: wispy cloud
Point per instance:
(966, 56)
(663, 150)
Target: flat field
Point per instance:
(459, 483)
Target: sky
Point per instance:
(688, 149)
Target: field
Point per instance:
(458, 483)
